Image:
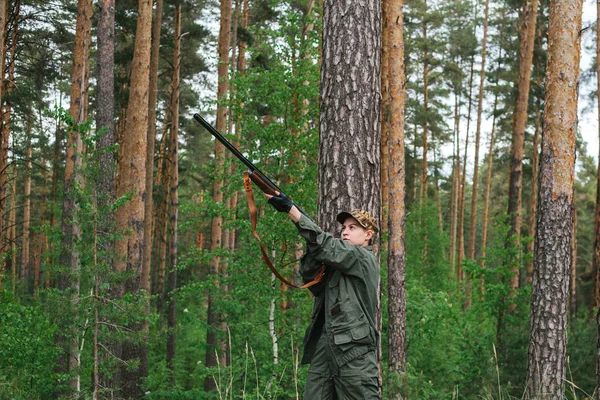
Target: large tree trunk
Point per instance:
(216, 230)
(174, 200)
(527, 36)
(472, 226)
(546, 362)
(350, 111)
(397, 174)
(152, 99)
(132, 179)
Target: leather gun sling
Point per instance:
(253, 219)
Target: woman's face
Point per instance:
(354, 233)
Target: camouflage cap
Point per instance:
(364, 218)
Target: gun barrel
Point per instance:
(258, 175)
(225, 142)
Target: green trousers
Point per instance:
(354, 380)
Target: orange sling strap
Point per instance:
(253, 218)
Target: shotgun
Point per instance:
(260, 179)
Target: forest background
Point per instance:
(95, 96)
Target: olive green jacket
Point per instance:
(345, 299)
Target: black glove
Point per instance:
(282, 203)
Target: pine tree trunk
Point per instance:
(70, 227)
(385, 112)
(216, 230)
(26, 272)
(488, 185)
(12, 228)
(463, 184)
(423, 193)
(535, 161)
(455, 184)
(397, 216)
(596, 259)
(174, 200)
(3, 139)
(6, 116)
(527, 36)
(151, 139)
(162, 223)
(105, 115)
(41, 236)
(546, 363)
(350, 112)
(473, 223)
(132, 179)
(573, 266)
(348, 48)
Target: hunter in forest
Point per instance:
(341, 341)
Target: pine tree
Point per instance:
(546, 362)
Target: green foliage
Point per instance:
(27, 352)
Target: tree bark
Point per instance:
(105, 190)
(349, 148)
(535, 161)
(423, 193)
(463, 184)
(596, 259)
(174, 200)
(350, 112)
(216, 230)
(26, 273)
(573, 266)
(527, 36)
(546, 362)
(7, 114)
(473, 224)
(488, 185)
(78, 111)
(152, 104)
(397, 174)
(132, 179)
